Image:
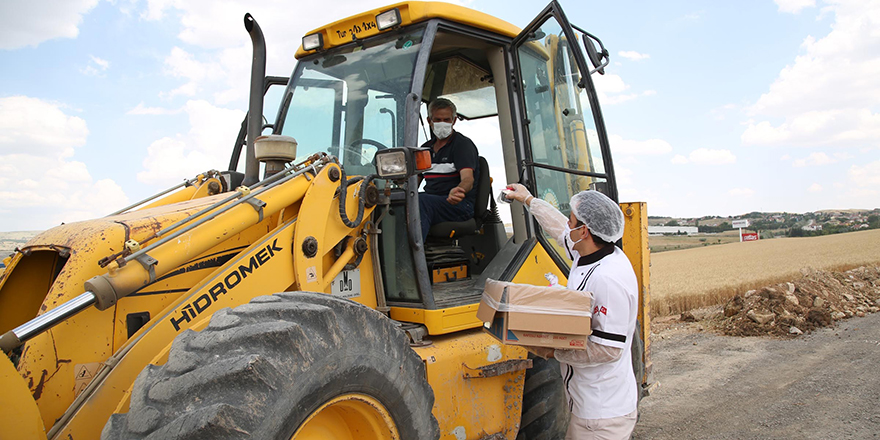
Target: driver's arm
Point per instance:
(467, 179)
(458, 193)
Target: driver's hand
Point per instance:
(518, 192)
(456, 195)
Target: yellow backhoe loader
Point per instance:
(297, 299)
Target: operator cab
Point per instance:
(526, 99)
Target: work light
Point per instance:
(391, 164)
(388, 19)
(313, 42)
(400, 163)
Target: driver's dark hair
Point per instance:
(440, 104)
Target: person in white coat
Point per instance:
(599, 381)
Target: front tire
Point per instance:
(290, 365)
(545, 413)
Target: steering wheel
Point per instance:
(350, 148)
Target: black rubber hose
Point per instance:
(343, 191)
(355, 264)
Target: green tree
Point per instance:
(672, 223)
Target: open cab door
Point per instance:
(563, 145)
(560, 131)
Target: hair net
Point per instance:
(602, 215)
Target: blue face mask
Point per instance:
(572, 254)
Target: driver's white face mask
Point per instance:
(441, 129)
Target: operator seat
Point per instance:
(473, 225)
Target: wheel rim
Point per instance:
(349, 417)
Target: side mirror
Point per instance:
(599, 58)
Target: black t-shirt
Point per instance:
(458, 153)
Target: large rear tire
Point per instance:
(290, 365)
(544, 411)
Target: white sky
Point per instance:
(713, 108)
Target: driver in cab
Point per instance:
(449, 185)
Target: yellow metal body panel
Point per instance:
(635, 246)
(47, 362)
(441, 321)
(158, 295)
(226, 287)
(195, 242)
(23, 290)
(19, 415)
(473, 407)
(364, 25)
(152, 304)
(324, 225)
(265, 267)
(536, 266)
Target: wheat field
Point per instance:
(704, 276)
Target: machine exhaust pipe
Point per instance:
(255, 107)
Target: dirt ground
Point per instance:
(822, 384)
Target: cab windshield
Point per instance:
(350, 102)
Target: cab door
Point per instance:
(562, 140)
(560, 133)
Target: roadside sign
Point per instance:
(740, 223)
(750, 236)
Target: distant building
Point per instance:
(812, 226)
(660, 230)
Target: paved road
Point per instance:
(825, 385)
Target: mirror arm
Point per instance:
(601, 68)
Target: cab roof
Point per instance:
(364, 25)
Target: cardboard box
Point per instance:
(521, 314)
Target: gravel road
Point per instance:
(825, 385)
